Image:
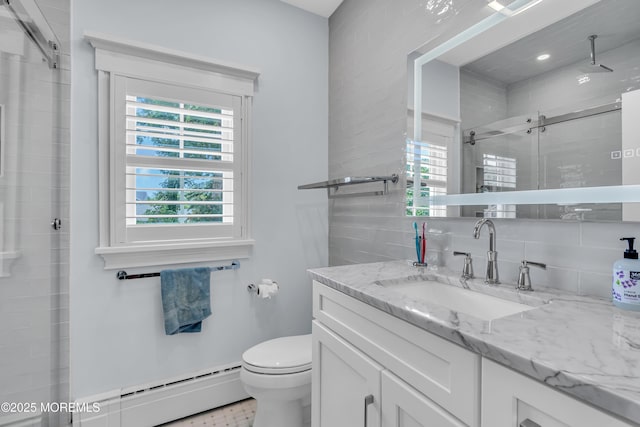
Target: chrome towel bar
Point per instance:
(335, 184)
(122, 275)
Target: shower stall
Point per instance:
(34, 212)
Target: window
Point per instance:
(431, 160)
(174, 145)
(499, 174)
(177, 146)
(427, 167)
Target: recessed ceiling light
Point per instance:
(496, 5)
(583, 78)
(543, 57)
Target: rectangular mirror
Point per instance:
(531, 113)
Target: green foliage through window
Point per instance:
(161, 130)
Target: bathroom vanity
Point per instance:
(384, 355)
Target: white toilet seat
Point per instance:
(276, 371)
(279, 356)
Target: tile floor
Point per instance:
(238, 414)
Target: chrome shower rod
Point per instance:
(542, 122)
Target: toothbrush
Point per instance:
(424, 242)
(415, 227)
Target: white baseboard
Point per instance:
(158, 403)
(21, 420)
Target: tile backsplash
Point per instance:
(579, 255)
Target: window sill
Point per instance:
(173, 253)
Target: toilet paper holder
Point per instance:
(254, 289)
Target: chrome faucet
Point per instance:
(492, 255)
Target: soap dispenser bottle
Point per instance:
(626, 279)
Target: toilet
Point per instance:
(277, 373)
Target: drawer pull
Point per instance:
(368, 401)
(529, 423)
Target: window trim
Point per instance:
(115, 56)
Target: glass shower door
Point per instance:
(33, 193)
(582, 152)
(501, 157)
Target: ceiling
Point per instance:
(614, 21)
(323, 8)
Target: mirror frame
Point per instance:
(490, 34)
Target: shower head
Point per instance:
(594, 67)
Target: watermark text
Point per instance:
(55, 407)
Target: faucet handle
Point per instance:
(526, 263)
(467, 269)
(524, 280)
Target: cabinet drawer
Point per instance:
(446, 372)
(509, 399)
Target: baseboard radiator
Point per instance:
(160, 402)
(21, 420)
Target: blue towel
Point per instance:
(186, 299)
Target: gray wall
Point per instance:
(369, 41)
(117, 334)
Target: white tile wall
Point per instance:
(564, 159)
(482, 101)
(34, 314)
(369, 41)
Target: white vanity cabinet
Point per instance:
(510, 399)
(372, 369)
(367, 361)
(346, 383)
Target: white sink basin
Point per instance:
(476, 304)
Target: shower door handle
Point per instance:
(368, 400)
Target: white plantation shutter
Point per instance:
(179, 149)
(499, 172)
(427, 163)
(499, 175)
(431, 160)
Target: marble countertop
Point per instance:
(584, 346)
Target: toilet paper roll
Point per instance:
(267, 290)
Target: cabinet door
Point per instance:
(346, 383)
(403, 406)
(510, 399)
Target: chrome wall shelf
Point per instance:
(335, 185)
